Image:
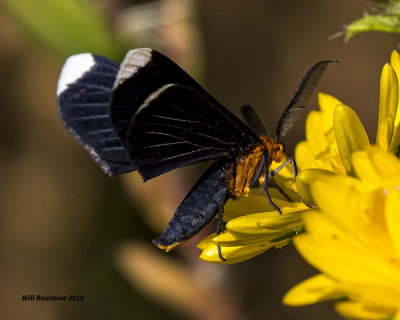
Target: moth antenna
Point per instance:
(301, 97)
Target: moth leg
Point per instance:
(310, 206)
(220, 225)
(257, 175)
(291, 160)
(294, 178)
(266, 182)
(294, 166)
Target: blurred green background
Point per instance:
(66, 228)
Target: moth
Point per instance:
(149, 115)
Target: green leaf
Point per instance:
(388, 6)
(385, 23)
(67, 26)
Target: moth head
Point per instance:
(279, 146)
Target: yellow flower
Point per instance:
(332, 134)
(254, 226)
(320, 148)
(335, 132)
(353, 238)
(388, 135)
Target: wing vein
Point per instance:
(181, 155)
(172, 136)
(197, 133)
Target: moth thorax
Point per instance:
(276, 149)
(245, 170)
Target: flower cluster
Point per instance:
(353, 236)
(335, 132)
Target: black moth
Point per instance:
(147, 114)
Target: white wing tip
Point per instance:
(74, 68)
(133, 61)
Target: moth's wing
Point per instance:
(301, 97)
(142, 72)
(177, 126)
(83, 96)
(203, 202)
(253, 120)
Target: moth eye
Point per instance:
(279, 146)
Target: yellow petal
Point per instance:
(304, 156)
(375, 165)
(388, 103)
(348, 203)
(206, 241)
(233, 254)
(291, 218)
(270, 224)
(250, 224)
(354, 310)
(327, 104)
(315, 133)
(350, 135)
(305, 179)
(395, 62)
(228, 239)
(393, 219)
(371, 294)
(395, 143)
(385, 132)
(330, 160)
(389, 92)
(315, 289)
(255, 202)
(365, 168)
(339, 254)
(350, 210)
